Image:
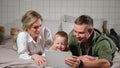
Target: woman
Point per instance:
(34, 38)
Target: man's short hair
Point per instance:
(84, 19)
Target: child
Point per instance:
(60, 42)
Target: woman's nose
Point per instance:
(39, 29)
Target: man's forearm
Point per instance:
(99, 63)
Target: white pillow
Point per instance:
(68, 18)
(67, 27)
(53, 25)
(116, 26)
(98, 23)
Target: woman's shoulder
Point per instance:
(23, 33)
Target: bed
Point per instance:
(9, 57)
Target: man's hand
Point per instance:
(85, 58)
(92, 62)
(73, 61)
(40, 60)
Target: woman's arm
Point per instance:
(24, 53)
(22, 46)
(39, 60)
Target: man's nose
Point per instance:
(77, 35)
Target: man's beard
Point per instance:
(88, 36)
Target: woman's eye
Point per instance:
(36, 27)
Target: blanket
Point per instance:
(9, 59)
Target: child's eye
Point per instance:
(57, 43)
(63, 44)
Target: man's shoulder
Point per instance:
(103, 39)
(100, 36)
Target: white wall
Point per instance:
(11, 11)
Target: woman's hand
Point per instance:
(40, 60)
(73, 61)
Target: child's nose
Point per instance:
(59, 44)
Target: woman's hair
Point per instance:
(84, 19)
(29, 18)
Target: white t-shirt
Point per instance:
(26, 46)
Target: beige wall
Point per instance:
(12, 10)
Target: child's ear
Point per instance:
(67, 44)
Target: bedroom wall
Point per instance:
(11, 11)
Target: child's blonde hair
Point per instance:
(62, 34)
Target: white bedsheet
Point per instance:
(9, 59)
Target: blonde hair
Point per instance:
(62, 34)
(65, 35)
(29, 18)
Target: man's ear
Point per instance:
(91, 30)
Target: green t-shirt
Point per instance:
(100, 46)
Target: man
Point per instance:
(91, 48)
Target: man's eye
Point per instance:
(75, 31)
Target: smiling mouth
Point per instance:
(37, 34)
(79, 40)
